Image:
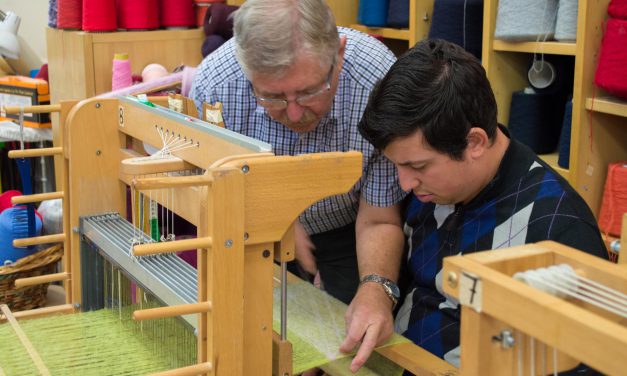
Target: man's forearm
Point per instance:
(380, 241)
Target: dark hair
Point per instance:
(435, 87)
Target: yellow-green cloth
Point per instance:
(316, 329)
(100, 342)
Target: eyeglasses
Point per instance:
(303, 100)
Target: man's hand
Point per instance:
(369, 321)
(304, 249)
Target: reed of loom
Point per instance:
(494, 302)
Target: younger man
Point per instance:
(474, 188)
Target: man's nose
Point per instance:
(294, 111)
(407, 180)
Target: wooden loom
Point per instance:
(243, 207)
(235, 195)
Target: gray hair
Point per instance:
(270, 34)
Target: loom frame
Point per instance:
(93, 157)
(579, 331)
(230, 208)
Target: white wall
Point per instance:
(31, 34)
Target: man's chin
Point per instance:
(424, 198)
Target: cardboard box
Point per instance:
(25, 91)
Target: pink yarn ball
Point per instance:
(153, 71)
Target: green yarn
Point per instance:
(95, 343)
(102, 342)
(316, 328)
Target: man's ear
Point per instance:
(478, 142)
(342, 50)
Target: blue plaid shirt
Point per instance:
(220, 78)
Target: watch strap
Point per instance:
(389, 286)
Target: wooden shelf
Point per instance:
(551, 160)
(385, 32)
(550, 48)
(80, 63)
(607, 105)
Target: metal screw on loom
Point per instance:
(452, 279)
(245, 169)
(97, 105)
(228, 243)
(505, 338)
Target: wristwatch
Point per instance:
(390, 288)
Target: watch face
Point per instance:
(395, 291)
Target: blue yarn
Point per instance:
(566, 22)
(10, 231)
(563, 158)
(459, 22)
(398, 13)
(373, 13)
(525, 20)
(534, 121)
(52, 14)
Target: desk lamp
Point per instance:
(9, 45)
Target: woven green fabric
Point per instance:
(315, 327)
(98, 343)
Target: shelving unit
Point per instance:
(549, 48)
(345, 11)
(80, 63)
(599, 122)
(419, 22)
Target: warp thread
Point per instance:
(69, 14)
(459, 22)
(610, 73)
(138, 14)
(566, 22)
(53, 11)
(99, 15)
(614, 202)
(563, 156)
(121, 76)
(177, 13)
(373, 13)
(525, 20)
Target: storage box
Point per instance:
(25, 91)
